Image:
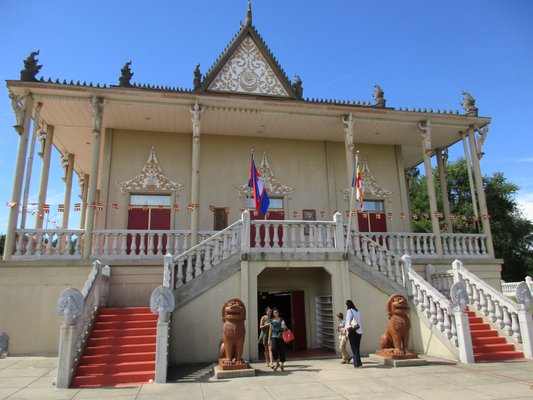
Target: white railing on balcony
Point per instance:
(48, 243)
(423, 244)
(513, 319)
(294, 236)
(509, 288)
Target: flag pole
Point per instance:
(352, 192)
(249, 180)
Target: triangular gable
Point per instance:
(248, 67)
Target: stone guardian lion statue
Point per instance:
(397, 334)
(233, 330)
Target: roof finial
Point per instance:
(249, 13)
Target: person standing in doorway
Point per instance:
(354, 330)
(264, 326)
(343, 339)
(275, 340)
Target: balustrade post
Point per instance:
(65, 356)
(526, 328)
(466, 354)
(162, 302)
(339, 232)
(245, 232)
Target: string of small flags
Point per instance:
(306, 214)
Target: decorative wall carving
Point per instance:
(370, 187)
(69, 305)
(162, 302)
(247, 71)
(523, 295)
(459, 296)
(151, 178)
(272, 185)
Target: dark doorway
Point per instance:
(291, 305)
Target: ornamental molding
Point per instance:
(70, 305)
(370, 187)
(151, 178)
(272, 185)
(162, 302)
(247, 71)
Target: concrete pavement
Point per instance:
(23, 378)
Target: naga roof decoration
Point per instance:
(151, 178)
(272, 185)
(370, 187)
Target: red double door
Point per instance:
(372, 222)
(148, 218)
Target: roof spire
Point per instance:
(249, 13)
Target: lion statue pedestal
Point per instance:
(395, 341)
(231, 363)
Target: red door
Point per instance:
(298, 320)
(273, 216)
(148, 219)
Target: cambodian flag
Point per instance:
(261, 200)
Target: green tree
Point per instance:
(512, 232)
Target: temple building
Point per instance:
(165, 203)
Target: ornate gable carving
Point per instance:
(247, 71)
(151, 178)
(370, 187)
(272, 185)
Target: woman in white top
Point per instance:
(354, 334)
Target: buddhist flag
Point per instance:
(261, 200)
(356, 183)
(61, 208)
(77, 207)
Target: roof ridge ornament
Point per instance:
(125, 75)
(249, 13)
(379, 96)
(469, 104)
(31, 68)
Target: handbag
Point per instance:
(353, 323)
(287, 336)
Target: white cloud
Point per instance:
(525, 201)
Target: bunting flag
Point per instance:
(390, 216)
(486, 217)
(438, 214)
(99, 207)
(475, 218)
(323, 214)
(114, 206)
(145, 207)
(403, 216)
(261, 200)
(365, 215)
(295, 214)
(356, 183)
(212, 208)
(175, 208)
(11, 203)
(77, 207)
(130, 207)
(160, 207)
(61, 208)
(378, 216)
(46, 208)
(452, 216)
(415, 216)
(463, 217)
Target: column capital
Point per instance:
(196, 112)
(349, 122)
(483, 132)
(425, 132)
(18, 103)
(97, 105)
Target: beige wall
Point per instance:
(316, 169)
(28, 297)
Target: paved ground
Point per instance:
(32, 378)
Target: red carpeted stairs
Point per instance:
(487, 344)
(120, 350)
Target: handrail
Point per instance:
(206, 254)
(78, 310)
(513, 319)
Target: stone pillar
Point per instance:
(442, 157)
(48, 133)
(196, 112)
(470, 177)
(22, 107)
(425, 132)
(349, 147)
(29, 166)
(68, 189)
(83, 182)
(97, 104)
(480, 190)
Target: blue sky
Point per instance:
(422, 53)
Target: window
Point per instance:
(374, 205)
(220, 216)
(276, 203)
(150, 200)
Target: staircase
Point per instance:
(487, 344)
(120, 350)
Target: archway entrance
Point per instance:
(294, 291)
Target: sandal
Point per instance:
(276, 368)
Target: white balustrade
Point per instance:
(423, 244)
(48, 243)
(295, 236)
(511, 318)
(509, 288)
